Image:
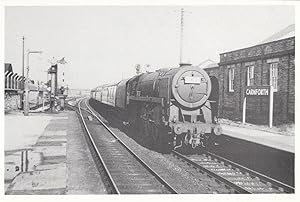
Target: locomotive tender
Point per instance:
(173, 107)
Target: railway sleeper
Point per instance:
(262, 190)
(142, 191)
(126, 180)
(121, 170)
(241, 178)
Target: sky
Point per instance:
(102, 44)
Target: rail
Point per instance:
(156, 175)
(109, 177)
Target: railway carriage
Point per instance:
(105, 94)
(173, 107)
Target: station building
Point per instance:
(211, 67)
(271, 62)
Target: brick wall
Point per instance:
(214, 71)
(13, 100)
(231, 103)
(291, 90)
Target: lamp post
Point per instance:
(22, 94)
(26, 104)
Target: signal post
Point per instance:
(53, 91)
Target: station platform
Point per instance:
(281, 138)
(47, 154)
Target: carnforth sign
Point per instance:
(257, 91)
(266, 91)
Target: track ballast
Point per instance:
(238, 177)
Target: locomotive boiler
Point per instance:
(172, 107)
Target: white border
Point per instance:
(181, 198)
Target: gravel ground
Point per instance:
(182, 179)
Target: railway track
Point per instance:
(231, 177)
(241, 179)
(123, 171)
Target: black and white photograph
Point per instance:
(136, 99)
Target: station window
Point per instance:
(231, 79)
(250, 75)
(274, 76)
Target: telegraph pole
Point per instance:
(23, 65)
(26, 88)
(181, 34)
(182, 27)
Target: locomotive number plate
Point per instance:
(192, 80)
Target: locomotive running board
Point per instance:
(147, 99)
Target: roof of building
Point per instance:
(287, 32)
(208, 63)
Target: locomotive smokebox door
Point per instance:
(191, 87)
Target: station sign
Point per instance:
(257, 91)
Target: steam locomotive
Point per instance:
(173, 107)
